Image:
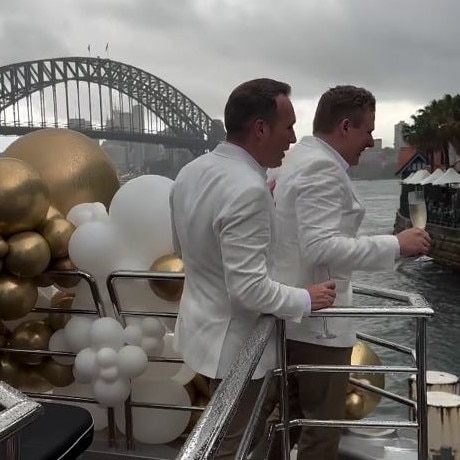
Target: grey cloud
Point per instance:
(401, 50)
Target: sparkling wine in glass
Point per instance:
(326, 334)
(417, 208)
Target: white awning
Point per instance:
(407, 178)
(449, 177)
(418, 177)
(432, 177)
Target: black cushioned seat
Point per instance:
(63, 432)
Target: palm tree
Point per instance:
(435, 126)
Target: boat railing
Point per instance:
(17, 412)
(204, 440)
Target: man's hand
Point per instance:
(414, 242)
(322, 295)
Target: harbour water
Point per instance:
(439, 285)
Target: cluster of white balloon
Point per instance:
(132, 235)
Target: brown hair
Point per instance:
(339, 103)
(252, 100)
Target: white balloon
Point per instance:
(109, 374)
(80, 214)
(132, 361)
(157, 426)
(111, 394)
(58, 342)
(143, 220)
(133, 334)
(153, 346)
(185, 375)
(96, 247)
(153, 327)
(76, 332)
(163, 370)
(85, 368)
(99, 212)
(106, 332)
(106, 357)
(98, 413)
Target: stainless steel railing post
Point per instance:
(283, 387)
(422, 421)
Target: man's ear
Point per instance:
(260, 128)
(345, 125)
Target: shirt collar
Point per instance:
(229, 149)
(343, 163)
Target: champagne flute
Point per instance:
(326, 334)
(417, 211)
(417, 208)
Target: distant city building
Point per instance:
(399, 141)
(79, 123)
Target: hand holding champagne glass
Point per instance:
(415, 241)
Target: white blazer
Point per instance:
(318, 218)
(223, 228)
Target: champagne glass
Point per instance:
(417, 208)
(417, 212)
(326, 334)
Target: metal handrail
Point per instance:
(18, 412)
(209, 432)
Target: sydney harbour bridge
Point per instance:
(104, 99)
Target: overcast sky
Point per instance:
(406, 52)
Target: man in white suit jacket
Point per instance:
(318, 217)
(224, 229)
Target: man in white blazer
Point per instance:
(223, 224)
(318, 218)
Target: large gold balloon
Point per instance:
(64, 264)
(24, 196)
(361, 402)
(3, 247)
(28, 255)
(31, 335)
(17, 296)
(9, 369)
(60, 300)
(57, 374)
(53, 213)
(57, 232)
(170, 290)
(75, 168)
(31, 380)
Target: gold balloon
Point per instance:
(75, 168)
(31, 335)
(53, 213)
(60, 300)
(360, 402)
(57, 374)
(354, 406)
(17, 296)
(57, 233)
(170, 290)
(63, 265)
(28, 255)
(30, 380)
(24, 196)
(3, 247)
(9, 369)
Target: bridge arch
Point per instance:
(178, 112)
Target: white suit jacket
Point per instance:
(318, 218)
(223, 228)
